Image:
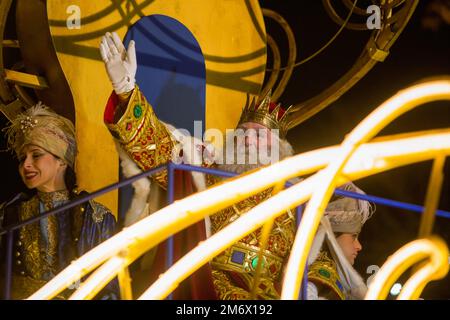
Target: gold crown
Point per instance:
(261, 113)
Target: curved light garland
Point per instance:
(433, 249)
(399, 104)
(354, 159)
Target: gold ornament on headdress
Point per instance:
(261, 113)
(41, 126)
(27, 123)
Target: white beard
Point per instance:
(285, 151)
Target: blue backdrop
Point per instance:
(171, 73)
(171, 69)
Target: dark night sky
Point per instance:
(418, 53)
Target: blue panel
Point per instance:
(171, 69)
(171, 73)
(238, 257)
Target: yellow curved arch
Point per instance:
(400, 103)
(231, 35)
(436, 267)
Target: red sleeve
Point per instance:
(110, 108)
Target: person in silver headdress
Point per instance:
(44, 143)
(335, 247)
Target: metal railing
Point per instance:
(171, 167)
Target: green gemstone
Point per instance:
(137, 111)
(324, 273)
(255, 263)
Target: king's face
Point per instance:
(261, 138)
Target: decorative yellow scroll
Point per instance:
(231, 35)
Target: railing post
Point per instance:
(170, 199)
(8, 272)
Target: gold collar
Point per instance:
(48, 198)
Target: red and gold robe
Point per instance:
(149, 143)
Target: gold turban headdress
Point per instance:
(41, 126)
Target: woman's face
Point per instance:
(350, 245)
(41, 170)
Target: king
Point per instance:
(145, 142)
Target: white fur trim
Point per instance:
(139, 206)
(193, 155)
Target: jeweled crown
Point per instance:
(266, 113)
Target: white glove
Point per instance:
(120, 64)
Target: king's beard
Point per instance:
(251, 157)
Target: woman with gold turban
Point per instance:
(44, 143)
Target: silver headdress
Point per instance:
(346, 215)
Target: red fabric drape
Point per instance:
(198, 286)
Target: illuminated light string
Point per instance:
(99, 279)
(152, 230)
(396, 288)
(276, 205)
(418, 147)
(400, 103)
(436, 267)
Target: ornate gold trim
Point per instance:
(146, 140)
(324, 272)
(30, 236)
(243, 258)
